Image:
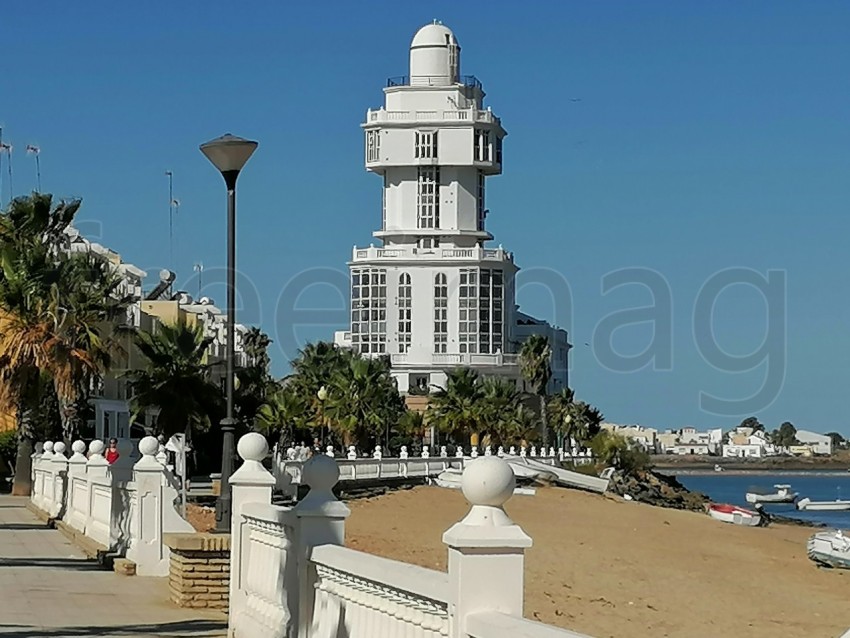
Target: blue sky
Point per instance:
(683, 138)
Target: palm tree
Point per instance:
(33, 272)
(535, 357)
(573, 420)
(176, 379)
(283, 413)
(500, 402)
(457, 408)
(363, 401)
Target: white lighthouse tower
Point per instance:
(431, 295)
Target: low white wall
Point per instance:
(291, 576)
(127, 517)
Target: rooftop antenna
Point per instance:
(170, 176)
(32, 149)
(4, 146)
(199, 268)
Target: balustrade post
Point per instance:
(321, 521)
(60, 473)
(143, 536)
(486, 548)
(251, 483)
(75, 514)
(35, 476)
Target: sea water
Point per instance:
(732, 487)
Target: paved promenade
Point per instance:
(48, 588)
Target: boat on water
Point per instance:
(829, 549)
(738, 515)
(837, 505)
(717, 468)
(782, 494)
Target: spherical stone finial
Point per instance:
(488, 481)
(253, 447)
(96, 447)
(320, 473)
(149, 446)
(78, 447)
(48, 447)
(59, 448)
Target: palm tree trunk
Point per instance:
(544, 421)
(23, 461)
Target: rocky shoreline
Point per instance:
(660, 490)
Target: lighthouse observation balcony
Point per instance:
(381, 116)
(436, 80)
(413, 253)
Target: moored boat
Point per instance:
(782, 494)
(737, 515)
(830, 549)
(823, 506)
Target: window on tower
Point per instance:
(441, 313)
(373, 146)
(499, 150)
(481, 148)
(405, 310)
(481, 297)
(369, 310)
(384, 204)
(426, 145)
(428, 197)
(482, 211)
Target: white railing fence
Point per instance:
(287, 466)
(127, 517)
(291, 576)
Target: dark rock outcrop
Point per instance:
(657, 489)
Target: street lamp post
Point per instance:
(228, 154)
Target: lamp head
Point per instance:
(229, 153)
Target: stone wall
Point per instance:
(199, 574)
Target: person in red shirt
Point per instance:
(112, 451)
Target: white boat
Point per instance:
(449, 478)
(737, 515)
(783, 494)
(830, 549)
(717, 468)
(825, 506)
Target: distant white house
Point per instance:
(638, 434)
(692, 448)
(819, 443)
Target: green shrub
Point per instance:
(8, 450)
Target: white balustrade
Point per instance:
(128, 517)
(292, 576)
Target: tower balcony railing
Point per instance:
(434, 80)
(380, 116)
(414, 253)
(455, 359)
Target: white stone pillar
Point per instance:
(142, 540)
(486, 548)
(60, 474)
(321, 521)
(77, 510)
(251, 483)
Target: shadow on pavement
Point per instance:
(184, 628)
(19, 527)
(80, 564)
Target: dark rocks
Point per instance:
(656, 489)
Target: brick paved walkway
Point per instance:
(48, 588)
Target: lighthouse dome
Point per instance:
(434, 56)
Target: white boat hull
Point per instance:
(790, 497)
(734, 515)
(830, 549)
(823, 506)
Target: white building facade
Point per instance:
(819, 443)
(432, 296)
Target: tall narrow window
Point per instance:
(384, 204)
(498, 150)
(481, 298)
(481, 148)
(369, 310)
(426, 145)
(454, 60)
(482, 211)
(405, 310)
(441, 313)
(428, 197)
(373, 146)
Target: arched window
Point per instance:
(405, 311)
(441, 313)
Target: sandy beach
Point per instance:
(606, 567)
